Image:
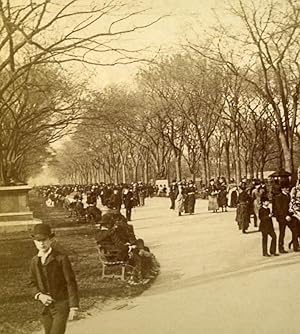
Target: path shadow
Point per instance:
(250, 232)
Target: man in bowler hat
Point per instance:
(53, 282)
(285, 218)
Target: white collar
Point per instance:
(44, 254)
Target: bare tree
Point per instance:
(36, 111)
(266, 55)
(28, 46)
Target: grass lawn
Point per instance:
(18, 311)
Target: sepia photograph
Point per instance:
(149, 166)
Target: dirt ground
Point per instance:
(213, 279)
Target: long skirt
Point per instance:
(222, 199)
(256, 207)
(191, 203)
(212, 203)
(243, 216)
(180, 204)
(233, 199)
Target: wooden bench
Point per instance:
(108, 258)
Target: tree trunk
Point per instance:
(2, 174)
(262, 171)
(123, 173)
(206, 168)
(251, 164)
(178, 157)
(178, 167)
(146, 171)
(194, 177)
(227, 159)
(116, 180)
(287, 154)
(237, 157)
(246, 168)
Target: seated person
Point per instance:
(79, 208)
(124, 230)
(94, 213)
(147, 263)
(108, 239)
(91, 198)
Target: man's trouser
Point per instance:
(265, 234)
(293, 225)
(55, 317)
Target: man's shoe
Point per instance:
(274, 254)
(267, 255)
(297, 250)
(282, 251)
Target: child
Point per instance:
(266, 227)
(53, 282)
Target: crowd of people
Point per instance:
(81, 200)
(183, 195)
(254, 201)
(115, 238)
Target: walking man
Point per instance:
(128, 200)
(284, 218)
(53, 282)
(173, 194)
(267, 229)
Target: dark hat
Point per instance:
(139, 242)
(42, 231)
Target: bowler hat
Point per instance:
(42, 231)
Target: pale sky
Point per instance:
(187, 18)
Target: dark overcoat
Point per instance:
(58, 281)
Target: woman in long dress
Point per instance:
(180, 199)
(243, 209)
(256, 198)
(213, 196)
(222, 197)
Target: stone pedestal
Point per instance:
(15, 214)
